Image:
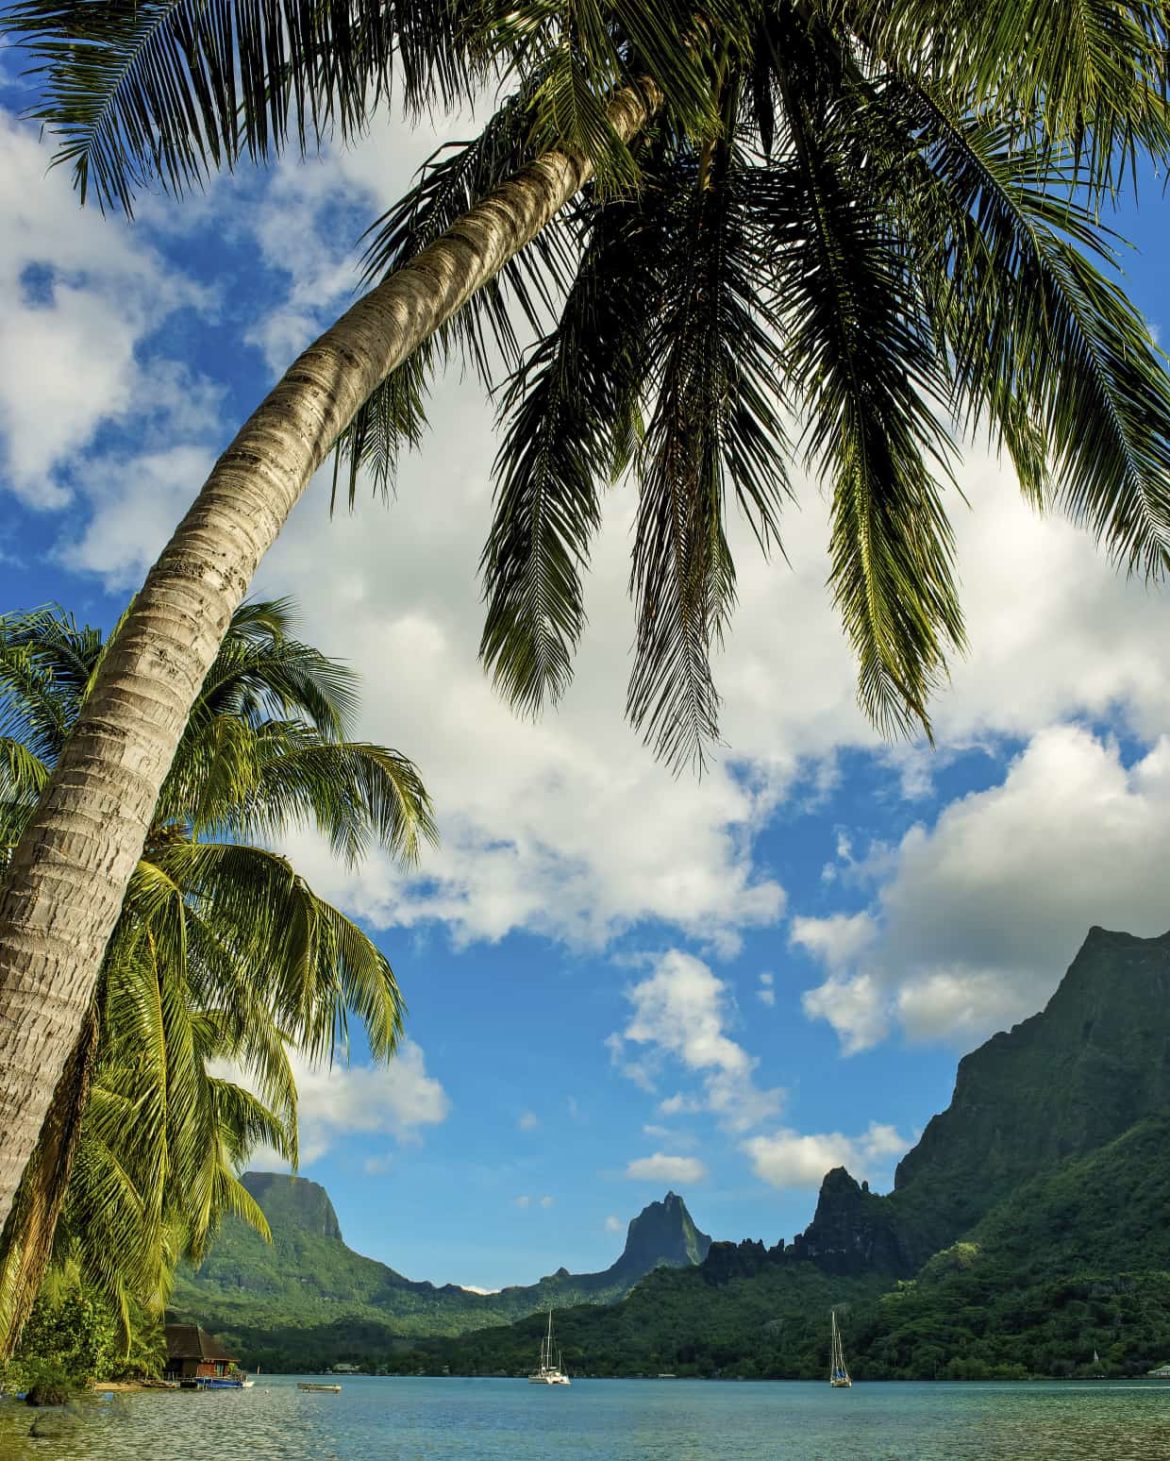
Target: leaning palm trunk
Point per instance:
(70, 871)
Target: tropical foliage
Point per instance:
(224, 960)
(852, 233)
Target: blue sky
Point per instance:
(618, 982)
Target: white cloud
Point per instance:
(473, 1288)
(528, 1121)
(836, 940)
(977, 917)
(524, 1200)
(789, 1158)
(547, 1201)
(82, 295)
(662, 1167)
(681, 1011)
(613, 1224)
(377, 1166)
(399, 1099)
(766, 992)
(856, 1008)
(138, 500)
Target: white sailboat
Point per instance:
(548, 1372)
(838, 1374)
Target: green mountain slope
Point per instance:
(1075, 1261)
(1029, 1228)
(1075, 1076)
(1094, 1062)
(308, 1299)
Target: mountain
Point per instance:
(293, 1204)
(1028, 1228)
(307, 1298)
(663, 1234)
(1093, 1063)
(1088, 1067)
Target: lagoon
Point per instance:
(611, 1420)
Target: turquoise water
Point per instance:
(618, 1420)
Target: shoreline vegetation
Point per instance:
(224, 966)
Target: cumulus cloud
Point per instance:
(547, 1201)
(662, 1167)
(613, 1224)
(399, 1099)
(766, 992)
(528, 1121)
(524, 1200)
(787, 1158)
(977, 916)
(83, 294)
(680, 1013)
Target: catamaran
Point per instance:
(548, 1373)
(838, 1374)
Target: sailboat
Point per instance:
(838, 1374)
(548, 1372)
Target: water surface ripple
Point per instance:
(610, 1420)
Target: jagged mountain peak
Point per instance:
(1061, 1084)
(663, 1233)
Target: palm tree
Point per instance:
(879, 216)
(222, 961)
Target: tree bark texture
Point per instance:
(70, 871)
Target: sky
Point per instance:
(619, 981)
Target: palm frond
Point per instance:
(566, 414)
(313, 964)
(45, 665)
(1087, 73)
(171, 90)
(863, 356)
(263, 672)
(716, 422)
(392, 418)
(1034, 328)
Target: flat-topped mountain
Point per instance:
(293, 1202)
(308, 1288)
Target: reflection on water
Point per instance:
(507, 1420)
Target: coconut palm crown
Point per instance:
(223, 962)
(853, 231)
